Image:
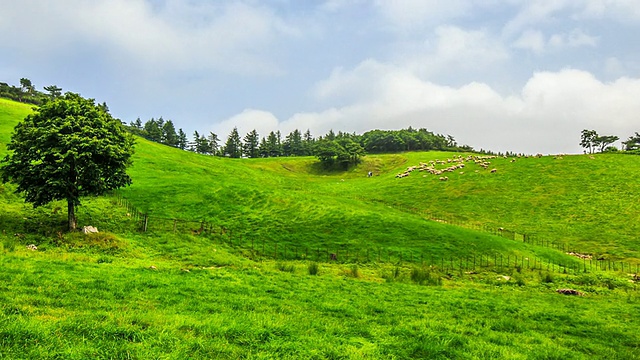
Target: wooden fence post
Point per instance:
(146, 223)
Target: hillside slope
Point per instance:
(125, 294)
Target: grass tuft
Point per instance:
(313, 268)
(424, 276)
(290, 268)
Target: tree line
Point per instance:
(332, 149)
(27, 92)
(592, 142)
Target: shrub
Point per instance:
(547, 278)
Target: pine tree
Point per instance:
(182, 139)
(213, 143)
(169, 135)
(251, 143)
(233, 146)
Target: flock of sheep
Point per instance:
(453, 164)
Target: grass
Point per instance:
(123, 294)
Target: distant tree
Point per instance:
(603, 142)
(330, 135)
(632, 143)
(338, 153)
(169, 136)
(53, 91)
(451, 142)
(193, 146)
(263, 148)
(326, 151)
(307, 143)
(182, 140)
(292, 145)
(67, 149)
(588, 140)
(213, 143)
(200, 144)
(273, 145)
(233, 146)
(251, 144)
(350, 153)
(152, 130)
(26, 87)
(136, 124)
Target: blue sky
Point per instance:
(515, 75)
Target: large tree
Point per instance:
(67, 149)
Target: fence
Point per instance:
(532, 239)
(264, 249)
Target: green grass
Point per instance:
(129, 295)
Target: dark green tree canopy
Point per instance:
(67, 149)
(233, 146)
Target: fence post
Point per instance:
(146, 223)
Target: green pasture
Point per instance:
(127, 294)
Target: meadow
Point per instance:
(126, 294)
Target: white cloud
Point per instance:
(230, 36)
(622, 10)
(575, 38)
(534, 41)
(535, 12)
(452, 50)
(531, 40)
(249, 119)
(404, 15)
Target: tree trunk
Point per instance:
(72, 215)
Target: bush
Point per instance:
(547, 278)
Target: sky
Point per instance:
(525, 76)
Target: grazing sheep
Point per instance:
(493, 170)
(570, 292)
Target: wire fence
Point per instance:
(268, 249)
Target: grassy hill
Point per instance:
(127, 294)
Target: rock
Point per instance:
(569, 292)
(89, 229)
(32, 247)
(504, 277)
(153, 267)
